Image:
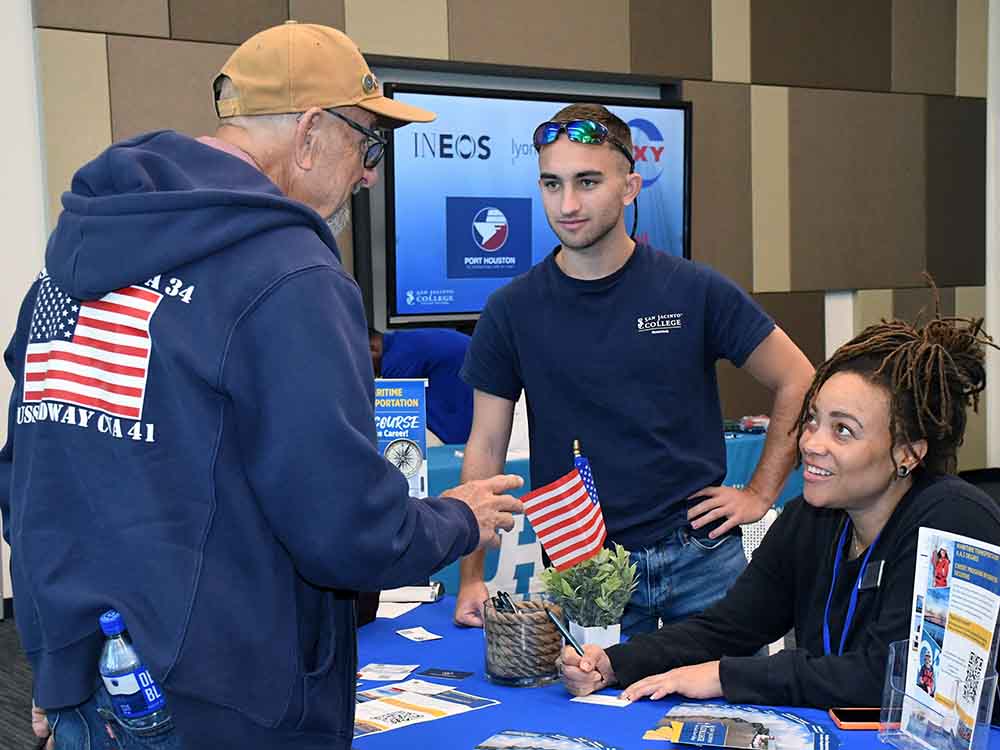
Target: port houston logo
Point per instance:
(489, 229)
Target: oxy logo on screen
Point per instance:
(648, 148)
(489, 229)
(430, 145)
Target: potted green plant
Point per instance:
(593, 595)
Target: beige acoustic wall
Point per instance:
(76, 114)
(21, 195)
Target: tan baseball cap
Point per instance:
(295, 66)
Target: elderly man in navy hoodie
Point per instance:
(191, 431)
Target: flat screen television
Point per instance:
(463, 210)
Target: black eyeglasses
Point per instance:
(374, 145)
(579, 131)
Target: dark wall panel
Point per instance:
(917, 305)
(923, 46)
(326, 12)
(823, 43)
(956, 190)
(721, 207)
(799, 314)
(230, 21)
(141, 17)
(671, 39)
(856, 181)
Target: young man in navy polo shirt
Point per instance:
(615, 344)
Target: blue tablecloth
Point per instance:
(519, 559)
(546, 709)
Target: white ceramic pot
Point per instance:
(603, 637)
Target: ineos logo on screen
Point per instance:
(427, 145)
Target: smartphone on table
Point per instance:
(856, 718)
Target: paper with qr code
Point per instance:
(956, 599)
(413, 702)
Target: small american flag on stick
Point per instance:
(566, 515)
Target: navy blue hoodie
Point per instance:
(192, 442)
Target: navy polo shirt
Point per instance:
(625, 364)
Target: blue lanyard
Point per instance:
(854, 592)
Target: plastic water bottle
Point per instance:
(137, 699)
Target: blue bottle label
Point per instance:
(134, 694)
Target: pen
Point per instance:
(565, 633)
(508, 601)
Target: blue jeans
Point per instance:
(92, 726)
(680, 577)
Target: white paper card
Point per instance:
(418, 634)
(386, 672)
(392, 610)
(602, 700)
(423, 687)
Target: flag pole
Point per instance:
(576, 449)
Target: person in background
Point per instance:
(192, 436)
(436, 354)
(878, 436)
(616, 344)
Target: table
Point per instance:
(520, 558)
(545, 709)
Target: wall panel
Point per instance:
(822, 43)
(671, 39)
(573, 34)
(857, 186)
(399, 27)
(157, 84)
(141, 17)
(76, 112)
(731, 40)
(955, 190)
(802, 317)
(721, 209)
(923, 46)
(228, 21)
(326, 12)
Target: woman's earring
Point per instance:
(903, 471)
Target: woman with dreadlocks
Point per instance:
(878, 436)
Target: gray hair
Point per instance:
(264, 124)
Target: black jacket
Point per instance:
(786, 586)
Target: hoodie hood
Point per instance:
(154, 203)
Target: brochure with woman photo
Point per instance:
(740, 726)
(956, 598)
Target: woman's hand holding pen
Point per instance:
(583, 675)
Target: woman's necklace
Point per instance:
(856, 546)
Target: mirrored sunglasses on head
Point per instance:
(589, 132)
